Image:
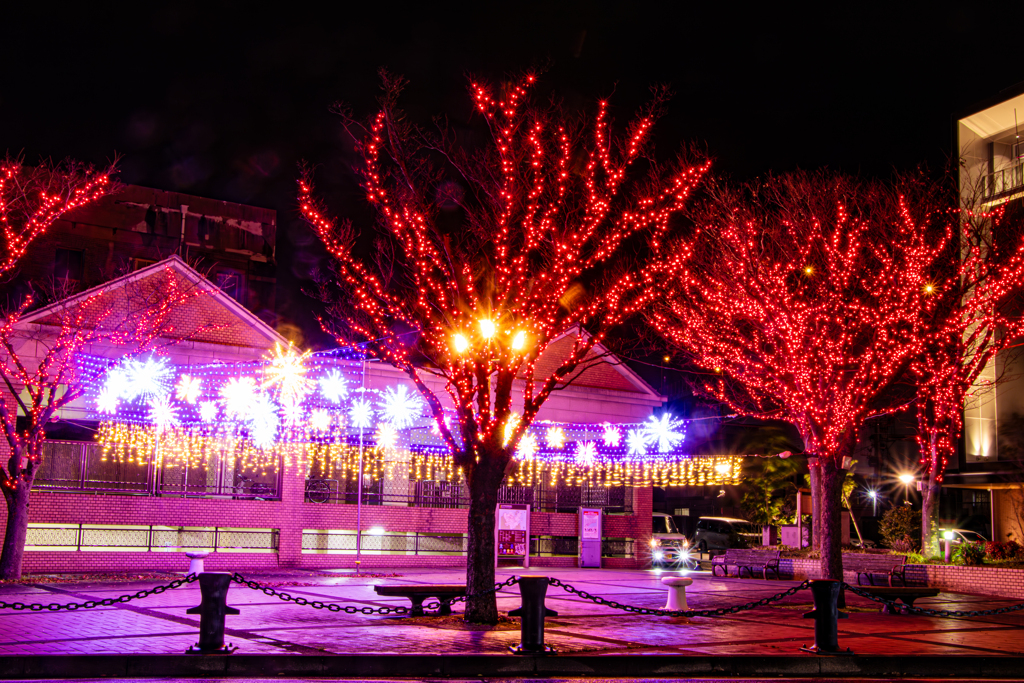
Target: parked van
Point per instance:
(668, 546)
(722, 533)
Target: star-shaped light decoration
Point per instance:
(664, 432)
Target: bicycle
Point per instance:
(318, 490)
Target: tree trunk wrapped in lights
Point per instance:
(486, 255)
(803, 296)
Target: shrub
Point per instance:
(969, 554)
(903, 545)
(1006, 550)
(899, 522)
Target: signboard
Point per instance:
(590, 525)
(512, 532)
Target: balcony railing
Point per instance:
(1005, 181)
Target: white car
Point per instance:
(669, 548)
(962, 536)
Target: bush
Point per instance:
(969, 554)
(1006, 550)
(903, 545)
(900, 522)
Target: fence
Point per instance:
(1004, 181)
(443, 494)
(136, 538)
(343, 542)
(80, 466)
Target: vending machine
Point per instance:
(512, 531)
(590, 537)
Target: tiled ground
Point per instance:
(158, 624)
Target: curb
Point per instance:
(491, 666)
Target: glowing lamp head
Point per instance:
(929, 288)
(872, 494)
(906, 478)
(948, 535)
(460, 343)
(519, 341)
(487, 328)
(808, 270)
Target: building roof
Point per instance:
(213, 317)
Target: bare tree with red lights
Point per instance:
(33, 197)
(969, 323)
(490, 254)
(38, 351)
(803, 296)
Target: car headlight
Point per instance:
(658, 555)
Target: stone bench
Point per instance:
(903, 593)
(418, 593)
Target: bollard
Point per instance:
(211, 611)
(195, 561)
(826, 617)
(532, 589)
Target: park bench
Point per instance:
(870, 565)
(749, 559)
(418, 593)
(906, 594)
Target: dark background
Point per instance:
(222, 99)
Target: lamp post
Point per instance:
(948, 537)
(873, 495)
(906, 479)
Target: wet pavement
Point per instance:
(158, 624)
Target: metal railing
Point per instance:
(1005, 181)
(80, 466)
(152, 538)
(413, 543)
(448, 495)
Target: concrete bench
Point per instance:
(870, 565)
(749, 559)
(417, 594)
(903, 593)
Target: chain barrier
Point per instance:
(678, 613)
(105, 602)
(892, 604)
(352, 609)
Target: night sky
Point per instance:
(222, 100)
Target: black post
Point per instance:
(826, 617)
(532, 589)
(211, 611)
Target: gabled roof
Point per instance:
(212, 318)
(601, 368)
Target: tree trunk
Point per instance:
(17, 529)
(930, 504)
(830, 510)
(484, 482)
(815, 471)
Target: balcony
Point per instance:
(1004, 182)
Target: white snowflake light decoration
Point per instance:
(320, 420)
(107, 401)
(208, 411)
(239, 396)
(188, 389)
(611, 436)
(263, 421)
(149, 379)
(527, 447)
(334, 386)
(399, 407)
(361, 413)
(636, 443)
(665, 432)
(555, 437)
(586, 453)
(163, 414)
(387, 435)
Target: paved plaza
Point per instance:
(158, 624)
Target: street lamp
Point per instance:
(873, 495)
(906, 479)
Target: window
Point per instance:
(68, 265)
(140, 263)
(230, 283)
